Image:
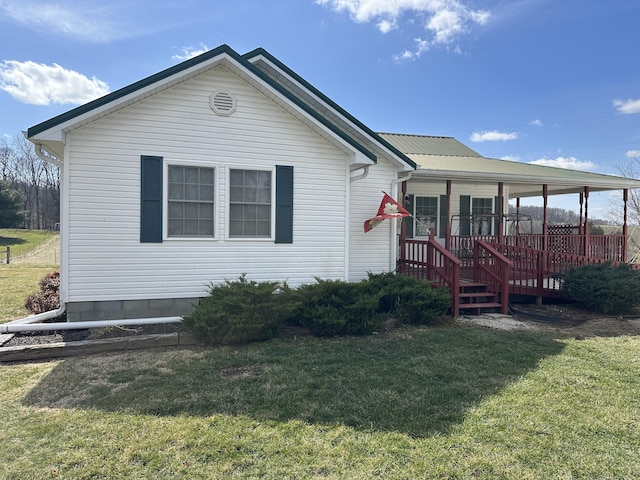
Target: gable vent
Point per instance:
(222, 103)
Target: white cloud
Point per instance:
(39, 84)
(492, 136)
(443, 20)
(633, 154)
(83, 21)
(627, 106)
(536, 123)
(190, 52)
(570, 163)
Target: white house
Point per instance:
(230, 164)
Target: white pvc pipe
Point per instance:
(40, 317)
(13, 327)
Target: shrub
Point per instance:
(604, 287)
(48, 298)
(335, 307)
(241, 311)
(410, 300)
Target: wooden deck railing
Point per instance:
(606, 247)
(430, 261)
(492, 268)
(539, 273)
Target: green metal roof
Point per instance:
(428, 145)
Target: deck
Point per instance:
(528, 264)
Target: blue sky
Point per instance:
(555, 82)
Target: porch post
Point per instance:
(447, 232)
(403, 233)
(625, 199)
(545, 198)
(581, 224)
(499, 211)
(518, 216)
(586, 221)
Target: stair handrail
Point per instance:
(447, 271)
(492, 268)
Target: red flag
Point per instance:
(389, 208)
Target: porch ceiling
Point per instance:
(523, 179)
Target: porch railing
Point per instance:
(605, 247)
(492, 268)
(430, 261)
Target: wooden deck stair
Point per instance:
(474, 296)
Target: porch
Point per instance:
(481, 271)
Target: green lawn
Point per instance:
(18, 280)
(22, 241)
(446, 402)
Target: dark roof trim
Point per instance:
(262, 52)
(122, 92)
(222, 49)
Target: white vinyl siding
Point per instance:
(107, 260)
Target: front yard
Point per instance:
(418, 402)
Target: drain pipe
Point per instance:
(14, 327)
(40, 317)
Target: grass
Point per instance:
(22, 242)
(446, 402)
(18, 280)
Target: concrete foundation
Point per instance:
(123, 309)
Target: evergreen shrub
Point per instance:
(242, 311)
(335, 307)
(604, 287)
(410, 300)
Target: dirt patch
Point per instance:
(578, 322)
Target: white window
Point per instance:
(190, 201)
(426, 216)
(482, 215)
(250, 203)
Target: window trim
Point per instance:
(227, 200)
(165, 200)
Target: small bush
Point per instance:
(335, 307)
(604, 287)
(410, 300)
(241, 311)
(48, 298)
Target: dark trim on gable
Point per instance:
(262, 52)
(222, 49)
(122, 92)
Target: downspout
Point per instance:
(393, 188)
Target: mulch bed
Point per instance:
(46, 337)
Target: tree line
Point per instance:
(29, 187)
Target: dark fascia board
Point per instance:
(124, 91)
(262, 52)
(222, 49)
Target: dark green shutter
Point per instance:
(151, 199)
(443, 216)
(409, 204)
(465, 215)
(284, 204)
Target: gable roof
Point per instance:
(52, 130)
(428, 145)
(326, 107)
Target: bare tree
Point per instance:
(629, 169)
(37, 181)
